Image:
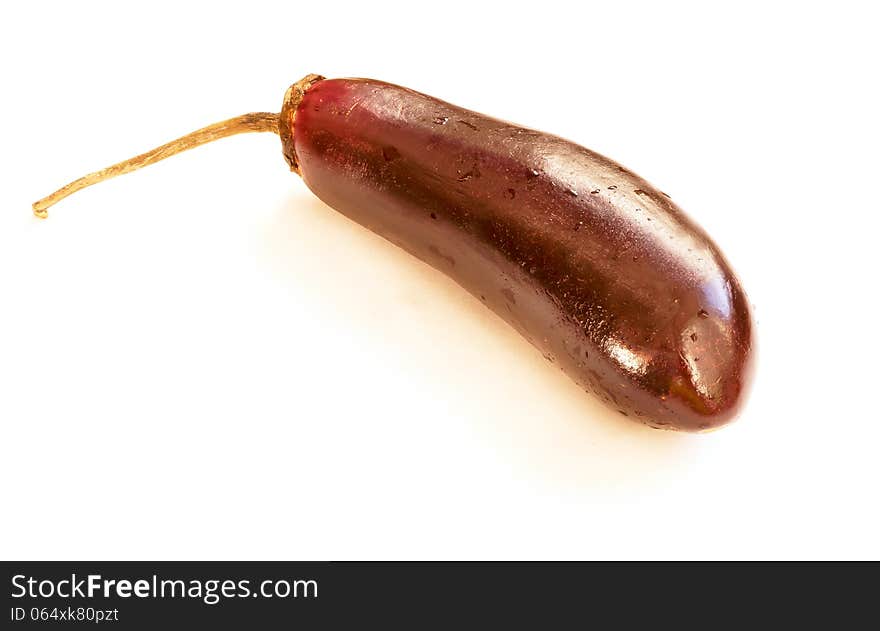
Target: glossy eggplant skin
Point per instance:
(599, 270)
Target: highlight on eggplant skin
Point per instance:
(598, 269)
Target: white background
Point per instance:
(201, 360)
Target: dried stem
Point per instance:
(254, 122)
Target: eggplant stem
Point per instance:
(246, 123)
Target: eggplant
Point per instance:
(598, 269)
